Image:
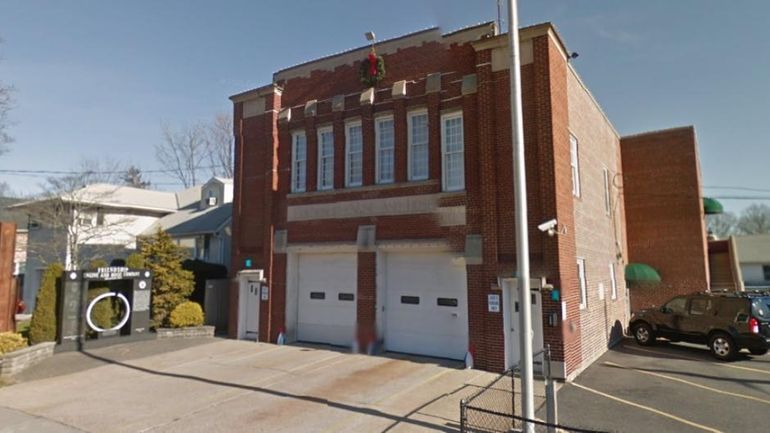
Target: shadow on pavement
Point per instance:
(448, 427)
(669, 350)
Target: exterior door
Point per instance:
(537, 325)
(327, 298)
(248, 304)
(426, 305)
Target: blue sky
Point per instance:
(97, 78)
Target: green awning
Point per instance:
(712, 206)
(641, 273)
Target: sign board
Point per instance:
(114, 273)
(493, 303)
(265, 293)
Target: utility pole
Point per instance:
(522, 235)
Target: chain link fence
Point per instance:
(492, 409)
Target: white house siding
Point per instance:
(753, 274)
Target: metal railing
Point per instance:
(492, 409)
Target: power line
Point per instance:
(740, 188)
(75, 172)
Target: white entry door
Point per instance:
(327, 298)
(426, 308)
(249, 309)
(537, 325)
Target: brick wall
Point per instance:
(599, 234)
(263, 174)
(664, 213)
(7, 286)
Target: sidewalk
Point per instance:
(15, 421)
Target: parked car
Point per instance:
(726, 322)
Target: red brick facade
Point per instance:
(472, 78)
(665, 220)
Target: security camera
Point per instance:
(548, 226)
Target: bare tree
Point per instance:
(70, 221)
(6, 103)
(722, 225)
(754, 220)
(184, 152)
(219, 135)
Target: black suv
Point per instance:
(727, 322)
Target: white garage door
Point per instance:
(327, 298)
(426, 310)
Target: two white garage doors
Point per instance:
(423, 307)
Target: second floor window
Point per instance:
(325, 158)
(354, 154)
(607, 192)
(583, 284)
(384, 143)
(574, 164)
(453, 149)
(418, 145)
(298, 161)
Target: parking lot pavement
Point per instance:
(237, 386)
(669, 388)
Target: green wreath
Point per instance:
(364, 72)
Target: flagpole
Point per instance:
(522, 235)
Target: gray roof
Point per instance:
(753, 248)
(188, 197)
(193, 221)
(11, 215)
(126, 197)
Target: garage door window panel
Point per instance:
(446, 302)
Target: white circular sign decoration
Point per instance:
(99, 298)
(147, 274)
(73, 275)
(142, 284)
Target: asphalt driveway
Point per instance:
(669, 388)
(220, 385)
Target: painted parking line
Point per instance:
(647, 408)
(689, 358)
(687, 382)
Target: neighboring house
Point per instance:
(754, 259)
(203, 226)
(99, 221)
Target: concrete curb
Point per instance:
(17, 361)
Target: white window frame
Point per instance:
(613, 281)
(319, 179)
(295, 174)
(377, 148)
(607, 195)
(574, 162)
(444, 172)
(348, 126)
(410, 144)
(582, 282)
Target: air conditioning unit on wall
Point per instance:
(212, 201)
